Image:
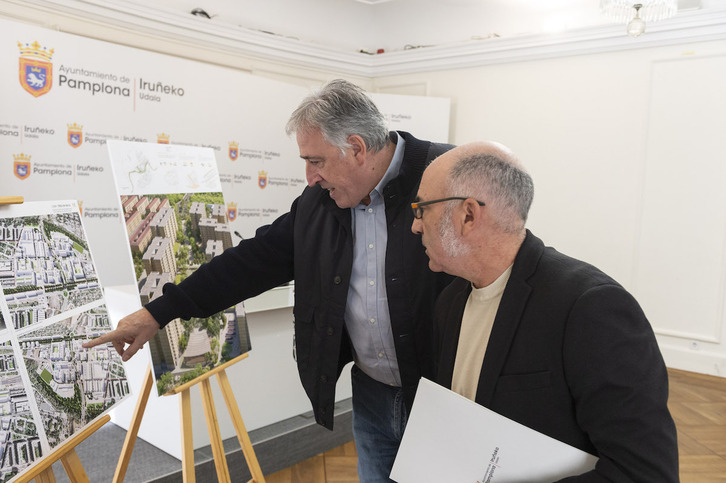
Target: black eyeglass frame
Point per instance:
(417, 206)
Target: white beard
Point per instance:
(450, 243)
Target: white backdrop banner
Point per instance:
(63, 96)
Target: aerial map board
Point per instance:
(51, 303)
(176, 220)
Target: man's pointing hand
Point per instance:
(134, 329)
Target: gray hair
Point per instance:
(504, 186)
(341, 109)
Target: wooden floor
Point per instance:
(335, 466)
(697, 403)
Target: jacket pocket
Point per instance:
(303, 317)
(524, 382)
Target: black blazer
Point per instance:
(572, 356)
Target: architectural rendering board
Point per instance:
(51, 303)
(176, 220)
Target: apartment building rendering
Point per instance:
(171, 236)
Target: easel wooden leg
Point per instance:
(74, 468)
(46, 476)
(185, 404)
(42, 472)
(239, 426)
(215, 438)
(123, 462)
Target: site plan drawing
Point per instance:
(73, 385)
(141, 168)
(51, 303)
(170, 234)
(19, 441)
(46, 268)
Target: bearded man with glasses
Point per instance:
(543, 339)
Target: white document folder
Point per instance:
(451, 439)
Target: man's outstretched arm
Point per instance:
(135, 330)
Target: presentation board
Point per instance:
(51, 302)
(175, 218)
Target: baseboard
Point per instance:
(698, 360)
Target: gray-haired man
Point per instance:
(363, 290)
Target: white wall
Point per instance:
(609, 138)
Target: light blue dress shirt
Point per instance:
(366, 313)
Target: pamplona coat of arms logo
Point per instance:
(35, 68)
(233, 151)
(232, 211)
(21, 165)
(75, 135)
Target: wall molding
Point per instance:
(688, 26)
(680, 334)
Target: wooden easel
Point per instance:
(215, 437)
(11, 200)
(66, 453)
(43, 472)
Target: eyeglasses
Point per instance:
(417, 207)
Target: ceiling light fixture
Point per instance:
(645, 11)
(636, 27)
